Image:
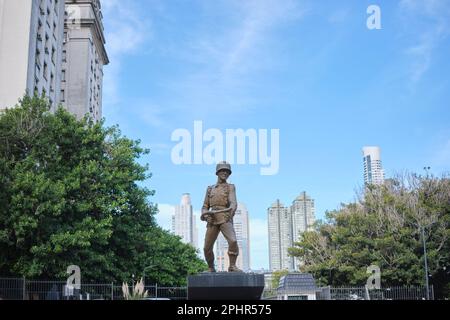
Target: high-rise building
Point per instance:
(55, 48)
(183, 223)
(194, 231)
(280, 237)
(285, 227)
(241, 227)
(83, 58)
(303, 218)
(303, 214)
(373, 170)
(31, 41)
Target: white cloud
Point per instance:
(152, 115)
(434, 30)
(259, 17)
(421, 55)
(339, 16)
(228, 58)
(125, 32)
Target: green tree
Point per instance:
(384, 228)
(276, 276)
(69, 194)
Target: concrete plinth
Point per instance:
(225, 286)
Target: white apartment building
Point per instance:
(55, 48)
(373, 170)
(183, 223)
(285, 227)
(280, 237)
(303, 218)
(84, 56)
(303, 214)
(31, 39)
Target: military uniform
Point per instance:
(218, 197)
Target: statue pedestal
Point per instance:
(225, 286)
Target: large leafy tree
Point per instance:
(69, 194)
(384, 228)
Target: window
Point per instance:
(53, 55)
(45, 70)
(63, 75)
(46, 44)
(63, 96)
(52, 80)
(64, 56)
(39, 29)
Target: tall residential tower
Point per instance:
(83, 58)
(31, 41)
(373, 170)
(183, 221)
(54, 48)
(280, 237)
(285, 227)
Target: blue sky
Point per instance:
(311, 69)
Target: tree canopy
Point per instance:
(70, 195)
(384, 228)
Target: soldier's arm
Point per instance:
(206, 206)
(232, 199)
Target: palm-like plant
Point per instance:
(137, 293)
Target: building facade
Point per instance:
(31, 40)
(373, 169)
(280, 237)
(54, 48)
(241, 227)
(183, 223)
(84, 56)
(303, 218)
(303, 214)
(285, 225)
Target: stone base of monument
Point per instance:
(225, 286)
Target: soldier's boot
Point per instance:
(211, 269)
(209, 257)
(232, 267)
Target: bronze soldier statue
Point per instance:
(218, 210)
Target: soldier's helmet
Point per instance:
(223, 165)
